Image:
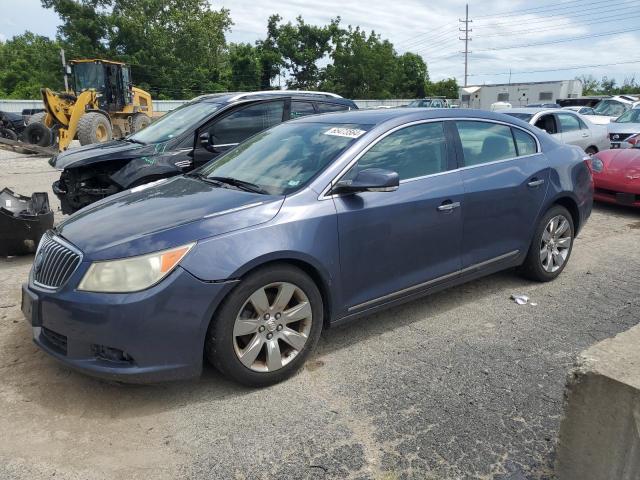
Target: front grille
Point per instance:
(54, 263)
(56, 340)
(619, 137)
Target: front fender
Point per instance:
(153, 166)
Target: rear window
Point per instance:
(522, 116)
(484, 142)
(331, 107)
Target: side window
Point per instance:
(568, 122)
(300, 109)
(547, 123)
(437, 104)
(412, 152)
(545, 96)
(503, 97)
(524, 142)
(484, 142)
(583, 126)
(331, 107)
(243, 123)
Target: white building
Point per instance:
(518, 94)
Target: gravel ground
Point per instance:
(464, 384)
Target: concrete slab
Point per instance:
(600, 433)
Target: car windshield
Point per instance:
(175, 123)
(420, 103)
(285, 158)
(630, 116)
(609, 108)
(522, 116)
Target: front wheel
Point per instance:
(266, 327)
(551, 246)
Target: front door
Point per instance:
(574, 131)
(228, 130)
(505, 182)
(392, 241)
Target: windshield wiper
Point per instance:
(247, 186)
(131, 140)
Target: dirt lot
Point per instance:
(463, 384)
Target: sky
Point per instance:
(524, 37)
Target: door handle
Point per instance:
(448, 206)
(585, 135)
(536, 182)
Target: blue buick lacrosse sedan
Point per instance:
(316, 221)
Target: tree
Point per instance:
(29, 62)
(412, 76)
(363, 66)
(269, 55)
(245, 63)
(301, 46)
(444, 88)
(176, 48)
(590, 86)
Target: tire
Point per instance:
(591, 150)
(139, 121)
(8, 134)
(226, 343)
(94, 127)
(536, 266)
(37, 134)
(37, 118)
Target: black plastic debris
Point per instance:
(23, 221)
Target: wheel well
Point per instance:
(592, 147)
(572, 206)
(310, 270)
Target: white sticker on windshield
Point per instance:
(345, 132)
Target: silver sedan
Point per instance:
(566, 126)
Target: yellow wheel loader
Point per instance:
(101, 104)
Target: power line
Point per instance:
(575, 67)
(564, 40)
(583, 12)
(542, 9)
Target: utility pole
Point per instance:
(466, 30)
(64, 67)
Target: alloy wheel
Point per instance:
(272, 327)
(555, 243)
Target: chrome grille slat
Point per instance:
(59, 261)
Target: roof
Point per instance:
(532, 110)
(101, 60)
(379, 116)
(298, 94)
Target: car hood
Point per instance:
(620, 162)
(624, 127)
(162, 215)
(100, 152)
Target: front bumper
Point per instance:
(154, 335)
(616, 192)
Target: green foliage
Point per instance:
(444, 88)
(606, 86)
(27, 63)
(177, 49)
(364, 66)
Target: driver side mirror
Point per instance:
(369, 180)
(206, 141)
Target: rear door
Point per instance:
(230, 128)
(393, 241)
(572, 132)
(505, 180)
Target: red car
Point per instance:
(616, 175)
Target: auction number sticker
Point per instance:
(345, 132)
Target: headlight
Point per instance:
(134, 273)
(596, 164)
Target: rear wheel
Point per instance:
(94, 127)
(591, 150)
(551, 246)
(37, 134)
(139, 121)
(266, 327)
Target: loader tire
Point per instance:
(37, 118)
(37, 134)
(94, 127)
(139, 121)
(8, 134)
